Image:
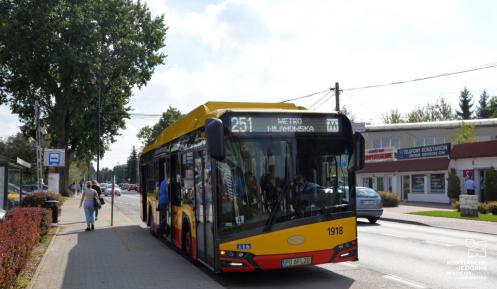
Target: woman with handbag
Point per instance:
(89, 197)
(96, 186)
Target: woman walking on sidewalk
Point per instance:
(96, 186)
(89, 197)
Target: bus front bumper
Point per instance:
(248, 262)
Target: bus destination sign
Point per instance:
(283, 124)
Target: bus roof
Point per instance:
(214, 109)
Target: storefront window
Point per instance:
(418, 183)
(437, 183)
(367, 182)
(379, 184)
(390, 179)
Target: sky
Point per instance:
(250, 50)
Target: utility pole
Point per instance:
(39, 161)
(337, 97)
(98, 129)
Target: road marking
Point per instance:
(438, 243)
(404, 281)
(350, 265)
(391, 235)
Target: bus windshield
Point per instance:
(268, 180)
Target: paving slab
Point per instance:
(123, 256)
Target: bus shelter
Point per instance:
(11, 175)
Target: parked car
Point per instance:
(108, 191)
(124, 186)
(133, 187)
(2, 214)
(369, 204)
(34, 188)
(13, 192)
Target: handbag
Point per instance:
(96, 204)
(102, 201)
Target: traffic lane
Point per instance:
(344, 275)
(429, 257)
(128, 203)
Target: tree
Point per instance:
(440, 110)
(443, 110)
(393, 116)
(148, 134)
(120, 172)
(483, 109)
(348, 113)
(132, 167)
(453, 185)
(20, 146)
(464, 134)
(465, 104)
(490, 184)
(67, 53)
(492, 107)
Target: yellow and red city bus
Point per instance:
(256, 186)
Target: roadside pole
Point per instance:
(112, 202)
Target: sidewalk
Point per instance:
(124, 256)
(401, 214)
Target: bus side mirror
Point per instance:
(359, 149)
(214, 131)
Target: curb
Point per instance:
(404, 221)
(38, 269)
(427, 225)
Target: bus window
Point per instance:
(187, 189)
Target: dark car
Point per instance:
(369, 204)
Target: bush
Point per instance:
(490, 187)
(483, 208)
(456, 206)
(454, 185)
(38, 199)
(19, 232)
(492, 208)
(389, 199)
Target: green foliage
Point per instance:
(492, 107)
(389, 199)
(464, 134)
(148, 134)
(454, 185)
(65, 54)
(482, 208)
(394, 116)
(490, 188)
(438, 111)
(483, 109)
(120, 172)
(465, 105)
(492, 208)
(132, 167)
(20, 146)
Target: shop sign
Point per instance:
(424, 152)
(384, 154)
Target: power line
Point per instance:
(308, 95)
(319, 101)
(481, 67)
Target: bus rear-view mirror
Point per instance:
(359, 150)
(214, 131)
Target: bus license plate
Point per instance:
(296, 262)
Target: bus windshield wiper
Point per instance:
(276, 208)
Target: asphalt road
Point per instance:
(392, 255)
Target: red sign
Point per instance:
(383, 154)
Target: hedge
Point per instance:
(389, 199)
(20, 231)
(38, 199)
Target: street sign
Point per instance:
(359, 126)
(54, 157)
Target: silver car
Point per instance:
(369, 204)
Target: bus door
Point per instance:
(167, 174)
(175, 200)
(204, 209)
